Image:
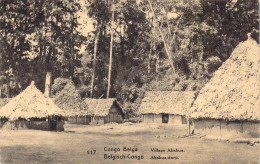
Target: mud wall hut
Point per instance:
(105, 110)
(31, 109)
(228, 105)
(166, 106)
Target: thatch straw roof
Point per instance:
(171, 102)
(28, 104)
(233, 91)
(99, 107)
(70, 101)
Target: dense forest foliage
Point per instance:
(144, 45)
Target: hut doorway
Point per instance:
(53, 123)
(165, 118)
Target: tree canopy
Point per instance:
(157, 45)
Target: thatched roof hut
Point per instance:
(99, 107)
(70, 101)
(30, 103)
(105, 110)
(233, 91)
(170, 102)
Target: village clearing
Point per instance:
(72, 145)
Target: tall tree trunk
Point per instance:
(63, 54)
(7, 76)
(157, 64)
(122, 44)
(94, 62)
(167, 21)
(111, 51)
(164, 41)
(40, 44)
(8, 88)
(72, 48)
(176, 28)
(44, 45)
(149, 59)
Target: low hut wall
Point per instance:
(177, 119)
(39, 125)
(148, 118)
(72, 120)
(115, 113)
(158, 118)
(2, 122)
(152, 118)
(79, 120)
(36, 125)
(98, 120)
(106, 119)
(227, 129)
(84, 120)
(115, 117)
(60, 126)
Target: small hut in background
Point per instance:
(105, 110)
(166, 106)
(31, 109)
(71, 103)
(228, 105)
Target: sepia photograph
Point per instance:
(129, 81)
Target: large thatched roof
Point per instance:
(171, 102)
(233, 91)
(70, 101)
(28, 104)
(99, 107)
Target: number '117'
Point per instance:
(91, 152)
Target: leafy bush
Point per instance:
(69, 99)
(84, 91)
(212, 64)
(59, 85)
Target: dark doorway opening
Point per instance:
(165, 118)
(53, 122)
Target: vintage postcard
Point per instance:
(129, 81)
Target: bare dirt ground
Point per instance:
(75, 145)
